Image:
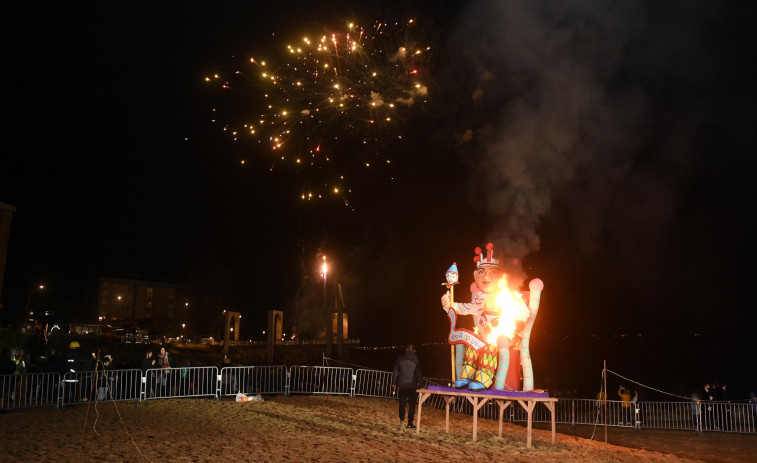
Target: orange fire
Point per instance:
(512, 311)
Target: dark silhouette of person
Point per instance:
(406, 377)
(145, 364)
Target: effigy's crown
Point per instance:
(486, 260)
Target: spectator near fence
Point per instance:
(88, 365)
(7, 367)
(19, 390)
(148, 363)
(186, 381)
(228, 376)
(165, 363)
(406, 377)
(727, 407)
(696, 412)
(18, 360)
(625, 406)
(105, 380)
(707, 396)
(636, 409)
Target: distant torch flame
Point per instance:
(512, 310)
(324, 268)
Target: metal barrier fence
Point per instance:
(373, 383)
(253, 380)
(320, 380)
(83, 386)
(28, 390)
(172, 383)
(45, 389)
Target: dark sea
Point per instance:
(662, 367)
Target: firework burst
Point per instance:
(332, 102)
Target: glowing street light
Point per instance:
(324, 271)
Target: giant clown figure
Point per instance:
(485, 361)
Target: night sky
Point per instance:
(610, 146)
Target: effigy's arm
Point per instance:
(459, 338)
(461, 335)
(535, 286)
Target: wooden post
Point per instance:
(604, 379)
(448, 400)
(551, 407)
(452, 346)
(423, 395)
(529, 407)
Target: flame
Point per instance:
(512, 311)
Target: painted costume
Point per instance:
(481, 366)
(485, 362)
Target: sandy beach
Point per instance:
(323, 428)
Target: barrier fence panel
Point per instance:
(117, 384)
(163, 383)
(237, 379)
(744, 417)
(717, 416)
(702, 416)
(76, 387)
(336, 380)
(578, 411)
(268, 379)
(669, 415)
(373, 383)
(304, 379)
(28, 390)
(320, 380)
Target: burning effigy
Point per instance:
(492, 354)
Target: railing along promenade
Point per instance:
(53, 389)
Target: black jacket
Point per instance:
(74, 361)
(407, 371)
(147, 363)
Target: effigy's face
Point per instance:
(451, 277)
(487, 277)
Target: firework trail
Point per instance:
(333, 103)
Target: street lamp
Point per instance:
(29, 297)
(183, 325)
(324, 271)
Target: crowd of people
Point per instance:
(84, 376)
(711, 407)
(630, 410)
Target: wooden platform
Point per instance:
(527, 400)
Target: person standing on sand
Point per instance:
(7, 367)
(625, 406)
(165, 362)
(148, 363)
(407, 377)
